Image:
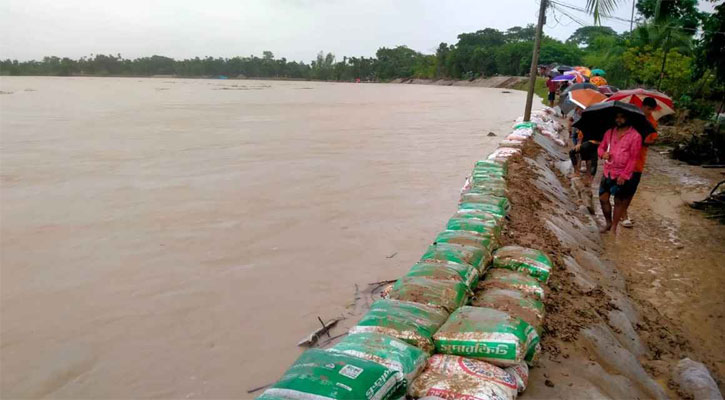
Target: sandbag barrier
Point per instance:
(463, 323)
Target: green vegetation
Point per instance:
(663, 51)
(540, 88)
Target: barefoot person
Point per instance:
(619, 149)
(649, 104)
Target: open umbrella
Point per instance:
(553, 73)
(578, 78)
(598, 72)
(577, 86)
(598, 80)
(586, 97)
(583, 70)
(665, 105)
(564, 68)
(564, 78)
(565, 104)
(608, 90)
(599, 118)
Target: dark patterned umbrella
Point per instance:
(599, 118)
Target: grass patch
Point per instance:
(540, 88)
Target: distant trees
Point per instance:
(688, 63)
(584, 36)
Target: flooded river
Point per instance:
(177, 238)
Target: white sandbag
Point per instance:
(459, 378)
(517, 137)
(520, 373)
(504, 153)
(511, 143)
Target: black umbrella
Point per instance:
(554, 73)
(577, 86)
(599, 118)
(563, 68)
(565, 104)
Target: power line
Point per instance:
(578, 21)
(623, 20)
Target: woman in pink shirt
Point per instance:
(619, 150)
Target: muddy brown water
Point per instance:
(177, 238)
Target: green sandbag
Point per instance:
(486, 171)
(491, 176)
(507, 279)
(491, 208)
(489, 227)
(517, 258)
(490, 190)
(493, 165)
(480, 180)
(482, 241)
(410, 322)
(485, 334)
(515, 303)
(479, 184)
(525, 125)
(477, 214)
(321, 374)
(386, 350)
(446, 272)
(499, 201)
(448, 295)
(457, 253)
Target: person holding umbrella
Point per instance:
(654, 105)
(619, 150)
(621, 127)
(649, 105)
(586, 149)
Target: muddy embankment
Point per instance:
(598, 341)
(505, 82)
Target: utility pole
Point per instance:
(535, 60)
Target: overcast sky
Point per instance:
(295, 29)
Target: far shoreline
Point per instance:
(489, 82)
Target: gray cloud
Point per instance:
(296, 29)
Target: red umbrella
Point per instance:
(586, 97)
(607, 90)
(665, 105)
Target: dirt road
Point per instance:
(674, 257)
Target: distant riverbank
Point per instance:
(492, 82)
(509, 82)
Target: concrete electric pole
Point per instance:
(535, 60)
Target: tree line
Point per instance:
(674, 46)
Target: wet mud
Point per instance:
(606, 335)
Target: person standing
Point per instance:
(552, 85)
(649, 104)
(620, 150)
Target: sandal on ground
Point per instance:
(627, 223)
